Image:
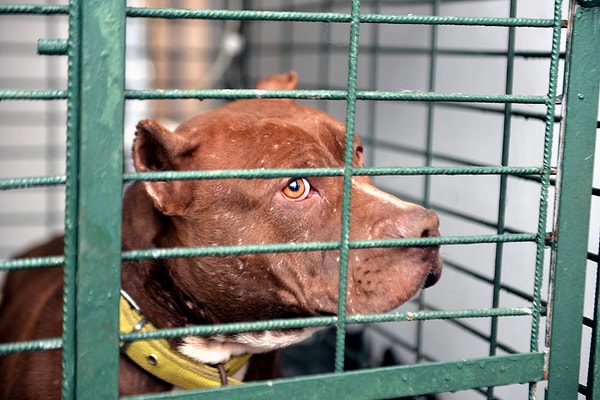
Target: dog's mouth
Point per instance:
(432, 278)
(435, 261)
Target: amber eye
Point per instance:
(297, 189)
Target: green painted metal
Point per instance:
(431, 86)
(404, 95)
(312, 246)
(232, 94)
(69, 326)
(94, 190)
(593, 378)
(53, 47)
(96, 95)
(545, 181)
(573, 203)
(347, 185)
(203, 330)
(31, 345)
(386, 382)
(252, 15)
(503, 186)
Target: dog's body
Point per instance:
(179, 292)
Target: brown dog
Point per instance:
(207, 290)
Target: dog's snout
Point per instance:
(420, 223)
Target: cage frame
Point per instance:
(96, 95)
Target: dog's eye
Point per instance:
(297, 189)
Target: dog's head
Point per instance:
(273, 133)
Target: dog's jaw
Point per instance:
(221, 348)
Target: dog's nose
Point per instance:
(420, 223)
(423, 223)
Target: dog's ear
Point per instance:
(156, 148)
(279, 82)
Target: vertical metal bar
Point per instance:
(71, 200)
(545, 181)
(428, 153)
(501, 218)
(578, 134)
(593, 379)
(92, 273)
(349, 153)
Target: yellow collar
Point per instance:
(161, 360)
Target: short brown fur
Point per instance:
(177, 292)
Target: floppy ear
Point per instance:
(156, 148)
(279, 82)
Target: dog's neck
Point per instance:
(149, 281)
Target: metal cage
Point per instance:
(442, 95)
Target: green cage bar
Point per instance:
(96, 97)
(94, 189)
(580, 116)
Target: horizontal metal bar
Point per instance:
(298, 16)
(444, 240)
(390, 382)
(52, 47)
(232, 173)
(308, 172)
(399, 341)
(240, 15)
(59, 47)
(231, 94)
(440, 315)
(206, 330)
(295, 323)
(220, 329)
(39, 9)
(33, 262)
(225, 251)
(31, 182)
(403, 95)
(452, 20)
(302, 16)
(32, 345)
(24, 94)
(443, 170)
